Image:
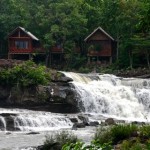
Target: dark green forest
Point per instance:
(70, 21)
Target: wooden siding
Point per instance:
(99, 35)
(19, 42)
(56, 49)
(106, 48)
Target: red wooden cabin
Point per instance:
(23, 42)
(100, 46)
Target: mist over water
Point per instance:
(111, 96)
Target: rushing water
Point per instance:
(97, 95)
(111, 96)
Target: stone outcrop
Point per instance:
(58, 93)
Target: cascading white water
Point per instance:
(41, 122)
(108, 95)
(2, 123)
(26, 120)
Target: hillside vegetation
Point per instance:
(70, 21)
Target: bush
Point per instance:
(130, 145)
(58, 140)
(82, 146)
(24, 75)
(121, 132)
(145, 131)
(103, 135)
(114, 134)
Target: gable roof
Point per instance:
(27, 32)
(99, 28)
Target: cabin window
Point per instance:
(21, 44)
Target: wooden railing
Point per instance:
(56, 50)
(34, 50)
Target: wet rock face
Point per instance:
(7, 123)
(58, 91)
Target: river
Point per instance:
(98, 96)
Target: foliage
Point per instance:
(114, 134)
(68, 22)
(126, 137)
(24, 75)
(145, 131)
(103, 135)
(128, 145)
(84, 69)
(82, 146)
(121, 132)
(60, 139)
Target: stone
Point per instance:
(78, 125)
(8, 114)
(138, 123)
(8, 133)
(33, 133)
(110, 121)
(9, 123)
(74, 120)
(84, 119)
(94, 123)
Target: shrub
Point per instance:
(82, 146)
(24, 75)
(145, 131)
(58, 140)
(115, 133)
(130, 145)
(121, 132)
(103, 135)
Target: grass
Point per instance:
(122, 137)
(57, 141)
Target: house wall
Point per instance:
(20, 36)
(98, 36)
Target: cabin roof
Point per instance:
(97, 29)
(27, 32)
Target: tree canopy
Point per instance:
(70, 21)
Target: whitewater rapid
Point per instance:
(111, 96)
(98, 97)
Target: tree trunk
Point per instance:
(131, 59)
(147, 59)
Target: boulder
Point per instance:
(110, 121)
(78, 125)
(9, 123)
(7, 133)
(59, 77)
(8, 114)
(74, 120)
(138, 123)
(84, 119)
(94, 123)
(33, 133)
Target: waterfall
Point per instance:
(27, 120)
(41, 122)
(2, 123)
(111, 96)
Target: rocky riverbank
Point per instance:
(138, 73)
(57, 96)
